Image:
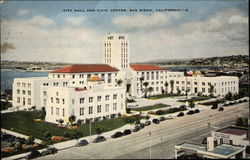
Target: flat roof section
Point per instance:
(233, 130)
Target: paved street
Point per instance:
(163, 138)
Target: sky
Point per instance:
(53, 31)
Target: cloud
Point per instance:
(141, 21)
(6, 46)
(41, 20)
(74, 20)
(23, 12)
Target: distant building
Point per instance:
(231, 135)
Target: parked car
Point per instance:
(83, 142)
(99, 139)
(147, 123)
(49, 151)
(142, 125)
(162, 118)
(136, 129)
(126, 132)
(196, 111)
(221, 109)
(180, 114)
(156, 121)
(190, 112)
(34, 154)
(117, 135)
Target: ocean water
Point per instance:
(7, 76)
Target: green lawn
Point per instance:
(147, 108)
(22, 122)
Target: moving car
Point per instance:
(156, 121)
(117, 135)
(83, 142)
(99, 139)
(126, 132)
(162, 118)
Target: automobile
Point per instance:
(99, 139)
(196, 111)
(142, 125)
(49, 151)
(136, 129)
(162, 118)
(190, 112)
(221, 109)
(180, 114)
(147, 123)
(34, 154)
(126, 132)
(169, 117)
(117, 135)
(83, 142)
(156, 121)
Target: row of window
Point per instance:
(24, 101)
(23, 92)
(24, 84)
(99, 109)
(57, 111)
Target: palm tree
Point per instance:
(146, 90)
(72, 119)
(166, 86)
(150, 89)
(119, 82)
(172, 86)
(141, 80)
(211, 90)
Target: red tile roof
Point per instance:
(82, 68)
(145, 67)
(233, 130)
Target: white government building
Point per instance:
(93, 91)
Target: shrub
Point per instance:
(66, 134)
(112, 116)
(30, 140)
(119, 114)
(215, 106)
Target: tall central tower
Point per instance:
(116, 51)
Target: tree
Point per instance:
(172, 86)
(61, 121)
(119, 82)
(229, 96)
(146, 88)
(191, 104)
(211, 90)
(141, 80)
(150, 89)
(72, 119)
(166, 86)
(99, 130)
(78, 123)
(43, 113)
(178, 91)
(30, 140)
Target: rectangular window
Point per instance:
(51, 110)
(29, 92)
(81, 100)
(57, 111)
(90, 99)
(203, 83)
(107, 97)
(91, 110)
(107, 107)
(63, 101)
(177, 82)
(81, 111)
(188, 82)
(57, 100)
(63, 112)
(195, 83)
(23, 85)
(203, 89)
(18, 84)
(29, 101)
(114, 106)
(23, 91)
(73, 101)
(51, 100)
(99, 109)
(18, 99)
(18, 91)
(109, 78)
(115, 96)
(44, 93)
(99, 98)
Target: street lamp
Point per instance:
(149, 145)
